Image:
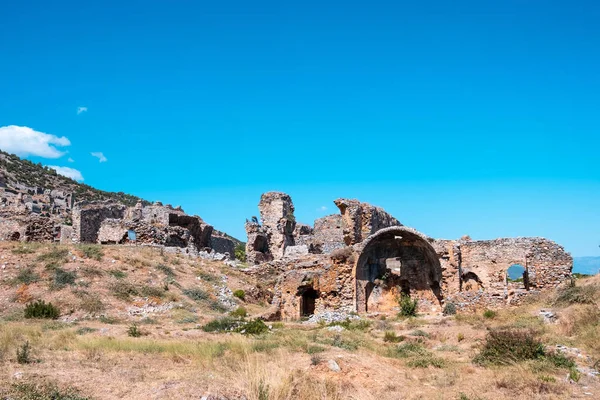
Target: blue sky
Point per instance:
(463, 117)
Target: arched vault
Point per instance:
(393, 260)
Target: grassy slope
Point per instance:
(174, 359)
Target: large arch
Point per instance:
(392, 261)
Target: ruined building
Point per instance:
(37, 214)
(363, 259)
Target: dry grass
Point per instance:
(95, 358)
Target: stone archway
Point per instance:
(392, 261)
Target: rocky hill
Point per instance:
(19, 173)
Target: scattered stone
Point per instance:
(332, 365)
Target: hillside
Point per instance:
(139, 323)
(15, 171)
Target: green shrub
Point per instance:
(24, 353)
(56, 254)
(63, 278)
(208, 277)
(224, 324)
(85, 330)
(91, 304)
(168, 271)
(239, 312)
(489, 314)
(406, 350)
(505, 346)
(240, 252)
(93, 251)
(240, 294)
(426, 361)
(449, 309)
(152, 291)
(117, 273)
(352, 325)
(254, 327)
(419, 332)
(41, 309)
(123, 290)
(408, 306)
(577, 295)
(134, 331)
(27, 276)
(391, 337)
(196, 294)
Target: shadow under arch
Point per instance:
(396, 260)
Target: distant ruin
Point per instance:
(363, 259)
(37, 214)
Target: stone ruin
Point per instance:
(37, 214)
(363, 259)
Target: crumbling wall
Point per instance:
(360, 220)
(222, 244)
(268, 241)
(87, 219)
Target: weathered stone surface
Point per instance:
(359, 220)
(268, 241)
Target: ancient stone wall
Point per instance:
(87, 219)
(360, 220)
(268, 240)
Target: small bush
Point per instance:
(240, 252)
(56, 254)
(408, 306)
(240, 294)
(117, 273)
(168, 271)
(489, 314)
(63, 278)
(460, 337)
(134, 331)
(406, 350)
(93, 251)
(40, 390)
(91, 304)
(24, 353)
(224, 324)
(85, 330)
(426, 361)
(505, 346)
(239, 312)
(152, 291)
(41, 309)
(419, 332)
(360, 325)
(391, 337)
(449, 309)
(254, 327)
(577, 295)
(27, 276)
(315, 359)
(123, 290)
(208, 277)
(196, 294)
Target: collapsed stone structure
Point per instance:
(37, 214)
(363, 259)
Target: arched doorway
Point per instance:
(396, 260)
(517, 277)
(308, 300)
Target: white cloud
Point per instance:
(70, 160)
(68, 172)
(99, 155)
(81, 110)
(24, 141)
(322, 208)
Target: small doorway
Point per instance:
(307, 301)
